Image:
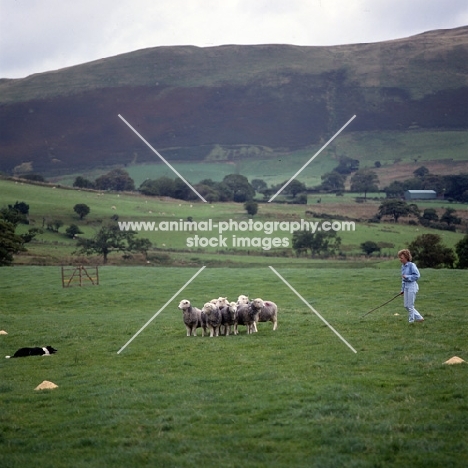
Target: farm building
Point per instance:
(420, 195)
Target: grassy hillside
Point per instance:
(171, 247)
(374, 64)
(241, 102)
(296, 397)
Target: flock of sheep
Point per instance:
(221, 317)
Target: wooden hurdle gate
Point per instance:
(79, 276)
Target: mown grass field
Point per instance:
(296, 397)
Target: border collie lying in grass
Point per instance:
(23, 352)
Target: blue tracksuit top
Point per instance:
(412, 275)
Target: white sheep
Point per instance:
(242, 299)
(220, 302)
(228, 318)
(268, 311)
(213, 318)
(192, 318)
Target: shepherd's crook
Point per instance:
(381, 305)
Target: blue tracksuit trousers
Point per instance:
(409, 298)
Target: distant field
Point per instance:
(171, 246)
(400, 153)
(296, 397)
(274, 170)
(415, 146)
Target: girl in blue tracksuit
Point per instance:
(409, 285)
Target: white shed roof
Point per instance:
(421, 191)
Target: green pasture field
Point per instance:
(274, 170)
(295, 397)
(410, 146)
(387, 147)
(47, 204)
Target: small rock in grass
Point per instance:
(454, 360)
(46, 385)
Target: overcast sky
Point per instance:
(43, 35)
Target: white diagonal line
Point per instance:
(313, 310)
(312, 158)
(162, 159)
(161, 309)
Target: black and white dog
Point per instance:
(23, 352)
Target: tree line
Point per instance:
(427, 249)
(237, 188)
(429, 252)
(234, 187)
(12, 243)
(451, 187)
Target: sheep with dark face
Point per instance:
(267, 311)
(228, 318)
(192, 318)
(213, 318)
(242, 299)
(203, 323)
(246, 315)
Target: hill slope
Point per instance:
(187, 100)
